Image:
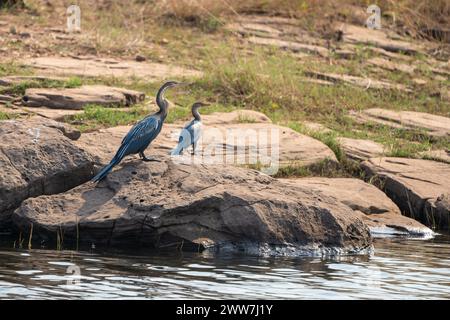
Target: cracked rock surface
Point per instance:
(378, 211)
(37, 156)
(419, 187)
(167, 204)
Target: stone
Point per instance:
(315, 127)
(140, 58)
(419, 187)
(438, 155)
(367, 202)
(6, 98)
(433, 125)
(360, 149)
(77, 98)
(97, 67)
(377, 38)
(37, 157)
(366, 83)
(218, 141)
(291, 45)
(53, 114)
(14, 80)
(391, 66)
(238, 116)
(218, 208)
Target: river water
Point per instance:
(399, 269)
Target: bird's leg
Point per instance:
(194, 146)
(144, 158)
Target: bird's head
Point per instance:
(171, 83)
(199, 104)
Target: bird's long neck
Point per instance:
(195, 113)
(162, 103)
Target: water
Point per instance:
(399, 269)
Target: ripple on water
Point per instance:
(399, 269)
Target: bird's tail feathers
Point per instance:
(104, 172)
(177, 150)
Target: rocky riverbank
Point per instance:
(47, 197)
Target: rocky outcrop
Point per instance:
(439, 155)
(392, 66)
(225, 144)
(377, 38)
(98, 67)
(432, 124)
(77, 98)
(238, 116)
(419, 187)
(367, 202)
(37, 157)
(360, 149)
(166, 204)
(366, 83)
(15, 80)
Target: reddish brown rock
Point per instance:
(419, 187)
(166, 204)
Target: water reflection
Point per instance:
(399, 269)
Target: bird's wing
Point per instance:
(141, 134)
(195, 131)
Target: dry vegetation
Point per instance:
(238, 74)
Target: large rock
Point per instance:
(240, 144)
(369, 203)
(167, 204)
(98, 67)
(378, 38)
(238, 116)
(291, 45)
(360, 149)
(37, 157)
(434, 125)
(77, 98)
(419, 187)
(439, 155)
(366, 83)
(15, 80)
(392, 66)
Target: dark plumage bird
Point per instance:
(142, 133)
(191, 132)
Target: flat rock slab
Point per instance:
(238, 116)
(278, 32)
(37, 156)
(315, 127)
(366, 83)
(360, 149)
(77, 98)
(377, 38)
(419, 187)
(391, 66)
(14, 80)
(291, 45)
(170, 205)
(97, 67)
(284, 148)
(434, 125)
(439, 155)
(368, 202)
(53, 114)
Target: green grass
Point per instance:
(14, 69)
(95, 116)
(20, 88)
(5, 116)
